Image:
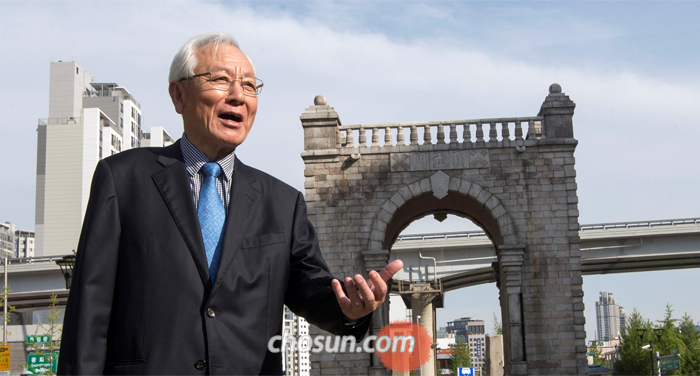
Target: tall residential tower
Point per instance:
(611, 319)
(87, 121)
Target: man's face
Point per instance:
(216, 121)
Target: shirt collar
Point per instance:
(195, 159)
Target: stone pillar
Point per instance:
(558, 111)
(494, 355)
(377, 260)
(510, 284)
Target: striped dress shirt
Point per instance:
(195, 159)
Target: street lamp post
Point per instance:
(659, 332)
(66, 264)
(4, 293)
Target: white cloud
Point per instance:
(637, 134)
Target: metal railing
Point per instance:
(34, 260)
(596, 226)
(638, 224)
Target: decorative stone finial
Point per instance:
(553, 89)
(320, 100)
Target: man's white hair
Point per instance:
(185, 59)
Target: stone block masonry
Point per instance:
(515, 177)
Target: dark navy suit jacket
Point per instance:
(141, 301)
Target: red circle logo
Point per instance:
(403, 346)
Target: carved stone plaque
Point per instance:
(439, 160)
(440, 182)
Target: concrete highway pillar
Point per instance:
(424, 313)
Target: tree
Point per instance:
(671, 338)
(633, 360)
(497, 327)
(461, 357)
(690, 358)
(3, 299)
(53, 328)
(597, 354)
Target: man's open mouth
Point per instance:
(231, 117)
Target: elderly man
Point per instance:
(187, 255)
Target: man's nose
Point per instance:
(235, 92)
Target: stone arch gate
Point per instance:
(514, 177)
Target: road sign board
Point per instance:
(39, 364)
(39, 339)
(5, 358)
(465, 371)
(670, 364)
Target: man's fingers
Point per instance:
(340, 294)
(380, 287)
(364, 290)
(391, 269)
(354, 297)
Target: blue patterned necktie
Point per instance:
(212, 216)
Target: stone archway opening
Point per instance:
(424, 293)
(453, 203)
(466, 313)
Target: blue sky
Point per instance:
(631, 67)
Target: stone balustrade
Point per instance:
(477, 132)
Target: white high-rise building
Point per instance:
(295, 362)
(156, 137)
(24, 243)
(87, 121)
(473, 332)
(624, 320)
(7, 240)
(607, 314)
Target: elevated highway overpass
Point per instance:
(461, 259)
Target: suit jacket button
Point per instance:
(200, 364)
(211, 312)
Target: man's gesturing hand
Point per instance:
(364, 296)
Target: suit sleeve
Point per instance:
(310, 293)
(87, 314)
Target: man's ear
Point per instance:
(177, 95)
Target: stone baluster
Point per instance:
(518, 130)
(387, 136)
(363, 137)
(505, 132)
(467, 133)
(339, 138)
(531, 132)
(453, 133)
(441, 134)
(400, 137)
(427, 138)
(479, 132)
(349, 140)
(493, 133)
(375, 136)
(414, 135)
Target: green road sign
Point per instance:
(38, 339)
(39, 364)
(670, 364)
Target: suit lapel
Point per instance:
(173, 184)
(244, 197)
